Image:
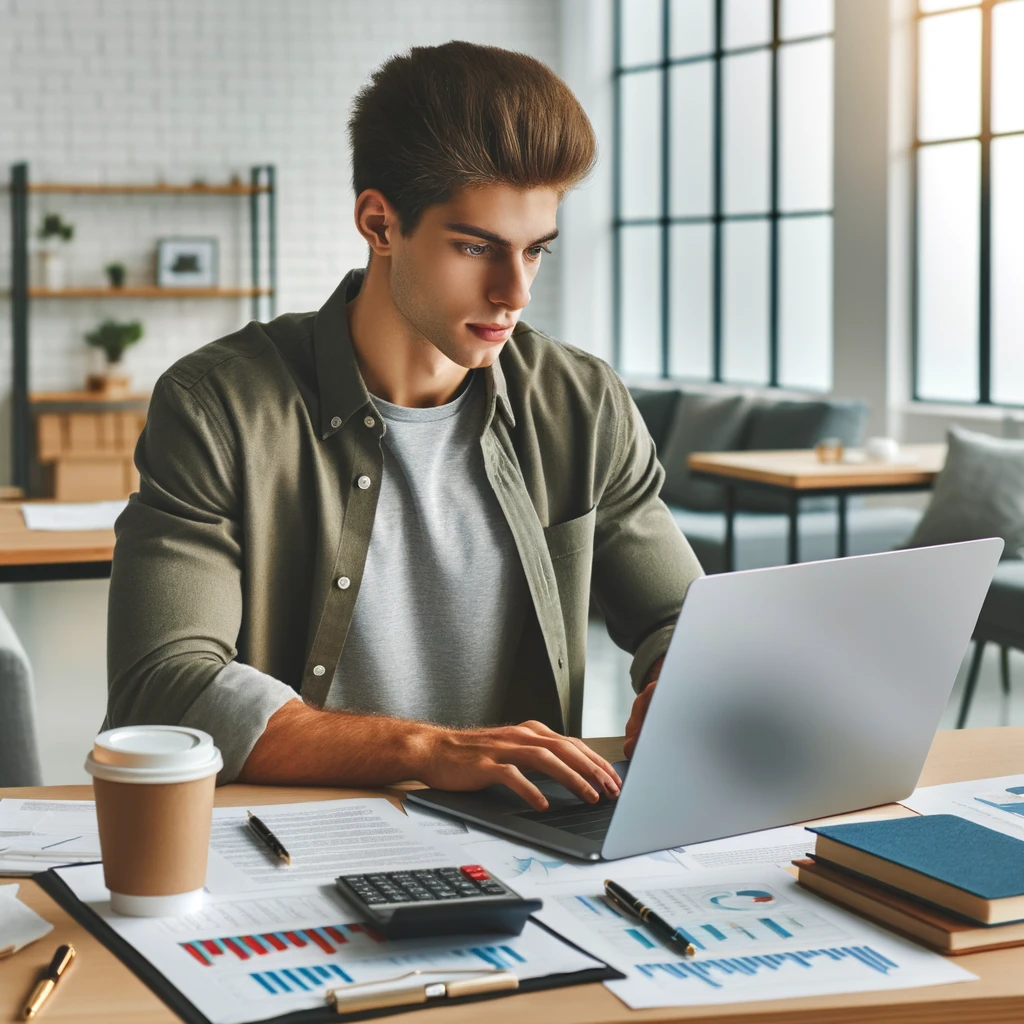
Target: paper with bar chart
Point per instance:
(757, 935)
(252, 957)
(995, 803)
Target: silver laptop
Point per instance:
(787, 694)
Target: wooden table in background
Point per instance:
(101, 990)
(32, 555)
(798, 474)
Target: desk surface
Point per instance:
(21, 546)
(100, 990)
(801, 471)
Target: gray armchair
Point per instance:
(19, 751)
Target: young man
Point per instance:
(398, 507)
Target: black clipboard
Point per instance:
(54, 886)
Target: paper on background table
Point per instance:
(19, 925)
(758, 936)
(251, 957)
(91, 515)
(66, 827)
(996, 803)
(325, 838)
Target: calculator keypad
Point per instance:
(388, 888)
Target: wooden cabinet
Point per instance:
(85, 444)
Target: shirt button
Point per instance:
(559, 662)
(336, 422)
(344, 583)
(318, 670)
(363, 482)
(369, 421)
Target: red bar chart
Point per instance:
(229, 948)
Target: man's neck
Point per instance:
(397, 363)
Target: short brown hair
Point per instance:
(441, 118)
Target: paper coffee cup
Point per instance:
(154, 804)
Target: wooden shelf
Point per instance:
(98, 397)
(147, 190)
(149, 292)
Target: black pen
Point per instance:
(268, 838)
(672, 937)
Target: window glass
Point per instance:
(691, 27)
(692, 135)
(746, 23)
(927, 6)
(805, 126)
(805, 18)
(690, 342)
(1008, 67)
(949, 82)
(746, 117)
(745, 301)
(805, 302)
(948, 183)
(640, 31)
(640, 296)
(1008, 270)
(640, 144)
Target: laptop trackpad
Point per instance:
(559, 798)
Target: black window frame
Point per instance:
(716, 218)
(984, 137)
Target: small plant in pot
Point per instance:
(112, 338)
(115, 274)
(53, 234)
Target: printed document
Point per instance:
(995, 803)
(19, 925)
(252, 957)
(758, 935)
(89, 515)
(39, 834)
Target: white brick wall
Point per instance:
(136, 90)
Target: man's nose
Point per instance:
(512, 287)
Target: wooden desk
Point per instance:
(30, 555)
(799, 474)
(100, 990)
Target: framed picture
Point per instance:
(186, 263)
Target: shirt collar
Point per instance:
(342, 390)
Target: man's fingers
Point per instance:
(594, 756)
(606, 775)
(551, 764)
(569, 753)
(509, 775)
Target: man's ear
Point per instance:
(376, 220)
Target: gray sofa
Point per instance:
(756, 422)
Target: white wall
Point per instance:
(136, 90)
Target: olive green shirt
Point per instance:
(260, 467)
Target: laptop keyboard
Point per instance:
(588, 820)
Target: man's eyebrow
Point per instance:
(489, 236)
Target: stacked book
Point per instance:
(952, 884)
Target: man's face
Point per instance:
(462, 277)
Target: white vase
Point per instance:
(51, 269)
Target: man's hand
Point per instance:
(474, 758)
(639, 710)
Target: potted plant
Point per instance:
(112, 338)
(53, 233)
(115, 272)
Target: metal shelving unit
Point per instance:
(261, 194)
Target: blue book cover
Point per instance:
(953, 850)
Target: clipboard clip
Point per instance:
(358, 997)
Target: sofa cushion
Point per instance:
(702, 423)
(787, 424)
(1002, 615)
(656, 405)
(979, 493)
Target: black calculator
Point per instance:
(467, 900)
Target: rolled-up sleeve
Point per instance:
(175, 604)
(643, 564)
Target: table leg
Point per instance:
(794, 540)
(730, 524)
(843, 535)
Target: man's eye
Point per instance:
(474, 248)
(534, 253)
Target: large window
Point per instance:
(969, 249)
(723, 191)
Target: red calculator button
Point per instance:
(475, 871)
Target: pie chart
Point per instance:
(741, 899)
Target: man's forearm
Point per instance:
(304, 746)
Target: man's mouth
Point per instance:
(492, 332)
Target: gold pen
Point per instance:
(58, 965)
(368, 995)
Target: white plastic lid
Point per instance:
(153, 754)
